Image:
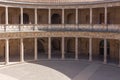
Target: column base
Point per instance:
(76, 59)
(90, 60)
(63, 58)
(49, 58)
(6, 63)
(105, 62)
(35, 59)
(22, 61)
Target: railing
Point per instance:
(113, 27)
(99, 27)
(85, 27)
(59, 27)
(41, 27)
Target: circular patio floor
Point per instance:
(59, 70)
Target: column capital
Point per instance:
(35, 8)
(6, 7)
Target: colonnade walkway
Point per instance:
(60, 70)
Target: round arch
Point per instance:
(56, 19)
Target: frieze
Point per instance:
(60, 34)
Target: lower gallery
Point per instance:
(59, 46)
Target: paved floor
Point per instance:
(59, 70)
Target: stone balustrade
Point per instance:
(12, 28)
(41, 27)
(84, 27)
(70, 27)
(56, 27)
(114, 27)
(100, 27)
(60, 27)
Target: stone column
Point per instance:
(36, 16)
(6, 15)
(63, 14)
(76, 48)
(7, 51)
(49, 48)
(35, 46)
(90, 49)
(105, 15)
(63, 48)
(105, 51)
(119, 54)
(21, 19)
(91, 15)
(49, 15)
(21, 50)
(76, 15)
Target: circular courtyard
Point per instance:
(60, 70)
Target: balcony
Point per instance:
(60, 27)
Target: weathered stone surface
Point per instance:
(60, 34)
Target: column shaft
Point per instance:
(49, 48)
(21, 13)
(90, 49)
(105, 51)
(6, 51)
(21, 50)
(62, 47)
(49, 15)
(105, 15)
(76, 15)
(36, 16)
(6, 15)
(63, 14)
(76, 48)
(35, 46)
(91, 15)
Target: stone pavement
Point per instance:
(87, 72)
(59, 70)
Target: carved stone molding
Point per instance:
(60, 34)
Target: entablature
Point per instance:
(101, 35)
(59, 5)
